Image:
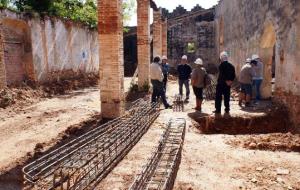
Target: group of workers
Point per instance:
(251, 75)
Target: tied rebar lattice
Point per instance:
(161, 169)
(86, 160)
(178, 103)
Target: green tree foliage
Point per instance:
(78, 10)
(4, 3)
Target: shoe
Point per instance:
(169, 107)
(227, 112)
(216, 112)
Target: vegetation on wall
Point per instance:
(84, 11)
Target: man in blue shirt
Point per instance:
(184, 75)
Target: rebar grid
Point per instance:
(210, 90)
(178, 103)
(161, 169)
(83, 162)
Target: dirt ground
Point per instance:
(209, 161)
(39, 120)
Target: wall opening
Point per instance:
(191, 47)
(268, 57)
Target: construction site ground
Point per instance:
(212, 159)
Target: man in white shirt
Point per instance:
(258, 75)
(157, 77)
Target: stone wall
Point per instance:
(271, 29)
(196, 28)
(43, 49)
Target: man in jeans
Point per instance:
(258, 77)
(225, 80)
(156, 76)
(184, 75)
(245, 80)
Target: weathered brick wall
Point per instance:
(164, 37)
(59, 46)
(195, 27)
(270, 29)
(13, 44)
(143, 41)
(157, 33)
(47, 49)
(110, 28)
(2, 66)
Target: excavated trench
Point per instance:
(274, 120)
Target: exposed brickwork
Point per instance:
(2, 66)
(164, 37)
(143, 35)
(157, 33)
(193, 27)
(111, 57)
(13, 56)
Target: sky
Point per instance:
(172, 4)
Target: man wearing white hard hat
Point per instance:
(198, 82)
(184, 75)
(245, 80)
(225, 80)
(258, 77)
(165, 70)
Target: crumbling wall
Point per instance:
(195, 27)
(270, 29)
(45, 49)
(63, 48)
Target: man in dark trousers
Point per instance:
(184, 75)
(225, 80)
(157, 77)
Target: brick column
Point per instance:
(2, 65)
(164, 37)
(143, 42)
(110, 29)
(157, 33)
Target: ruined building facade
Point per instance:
(272, 30)
(191, 33)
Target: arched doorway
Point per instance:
(268, 56)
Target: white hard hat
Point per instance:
(199, 61)
(248, 60)
(164, 57)
(255, 56)
(184, 57)
(223, 55)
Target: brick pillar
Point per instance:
(164, 37)
(2, 65)
(143, 42)
(157, 33)
(110, 29)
